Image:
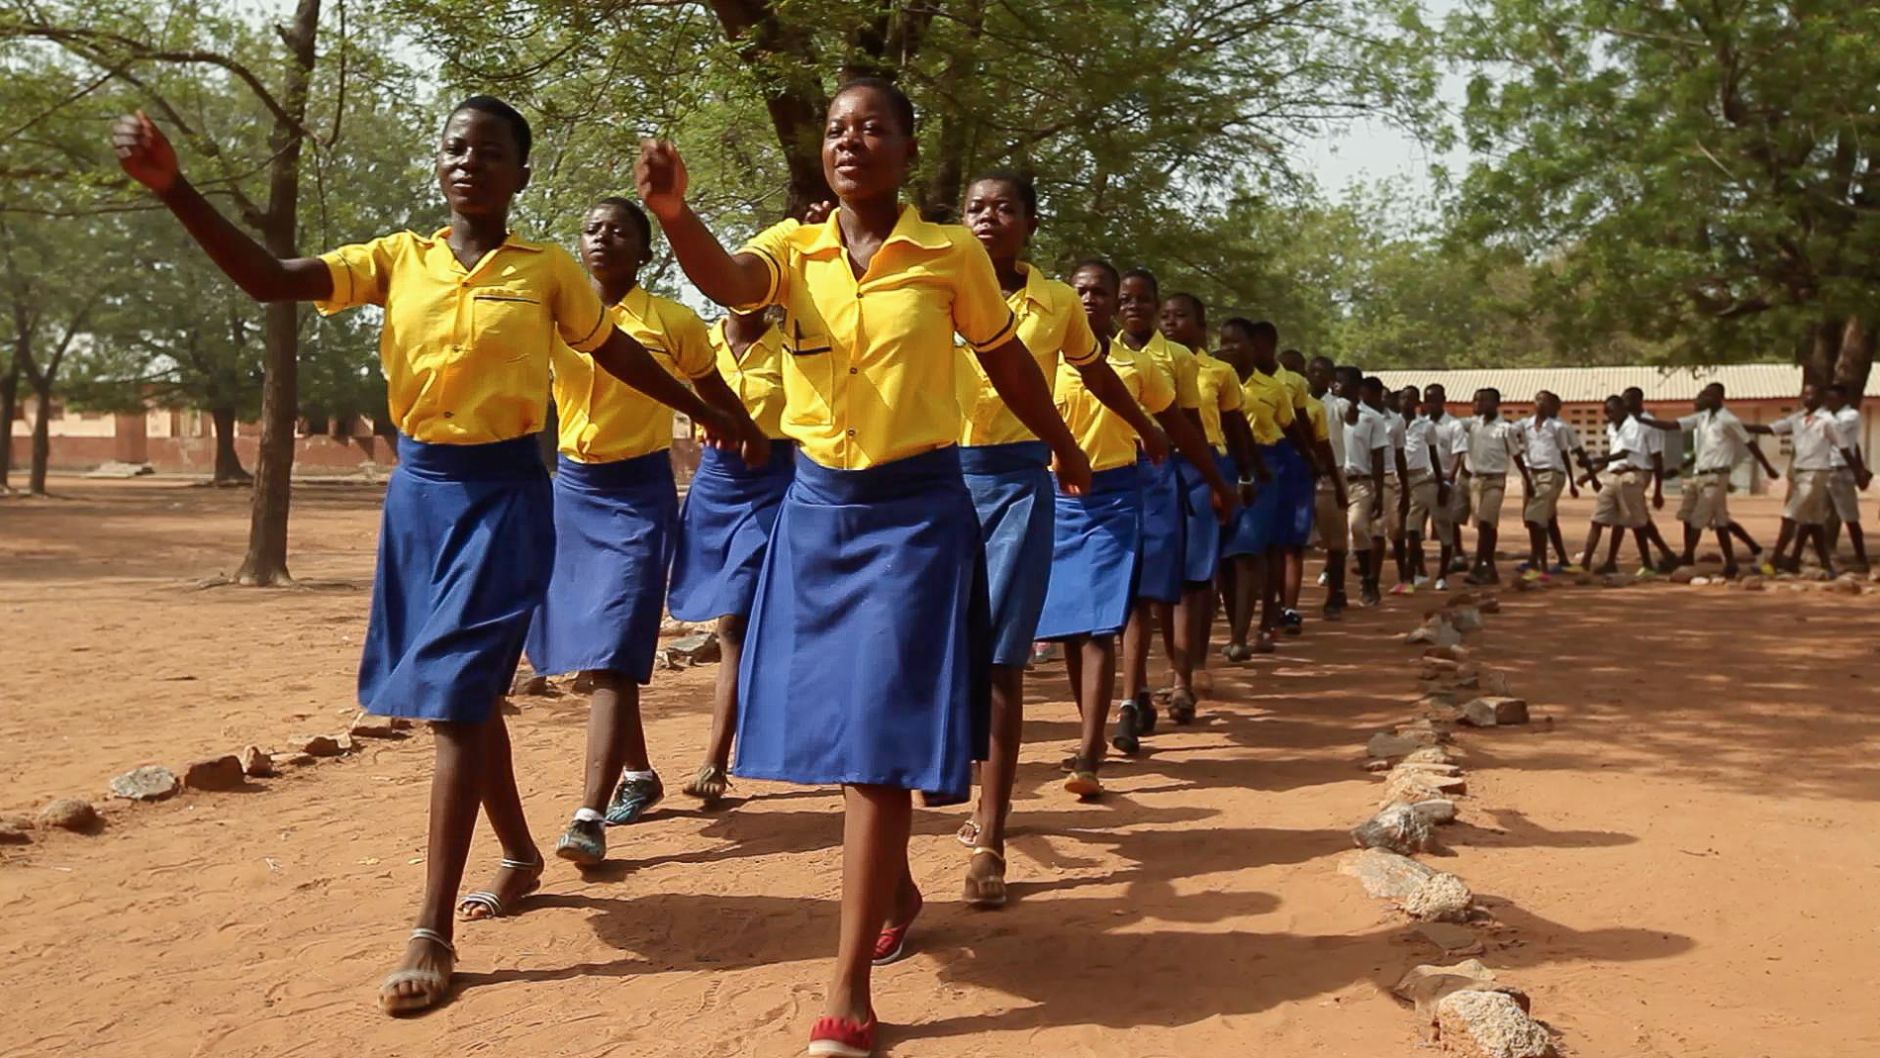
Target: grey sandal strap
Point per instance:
(484, 899)
(422, 933)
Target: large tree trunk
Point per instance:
(1855, 360)
(1818, 351)
(947, 185)
(797, 107)
(266, 561)
(1839, 349)
(9, 407)
(228, 463)
(42, 440)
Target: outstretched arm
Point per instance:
(1763, 458)
(1854, 463)
(628, 361)
(1335, 472)
(147, 157)
(732, 280)
(1192, 443)
(1014, 373)
(750, 441)
(1246, 453)
(1377, 483)
(1108, 387)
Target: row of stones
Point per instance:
(1470, 1012)
(228, 771)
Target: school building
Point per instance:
(1755, 393)
(182, 441)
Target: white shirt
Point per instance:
(1545, 440)
(1654, 441)
(1490, 445)
(1371, 433)
(1444, 435)
(1847, 426)
(1419, 434)
(1722, 442)
(1397, 433)
(1629, 437)
(1814, 433)
(1335, 408)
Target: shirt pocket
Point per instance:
(508, 327)
(809, 377)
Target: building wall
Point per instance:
(182, 441)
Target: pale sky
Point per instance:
(1374, 151)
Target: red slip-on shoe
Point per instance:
(837, 1038)
(891, 943)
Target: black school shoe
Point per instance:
(1128, 736)
(1291, 622)
(1335, 606)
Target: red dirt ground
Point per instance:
(1679, 865)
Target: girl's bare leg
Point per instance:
(725, 692)
(876, 889)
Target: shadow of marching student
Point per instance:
(1771, 686)
(1117, 975)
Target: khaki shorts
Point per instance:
(1393, 510)
(1358, 493)
(1455, 512)
(1543, 504)
(1622, 502)
(1330, 520)
(1423, 494)
(1486, 492)
(1844, 496)
(1706, 502)
(1808, 502)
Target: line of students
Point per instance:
(918, 510)
(1457, 470)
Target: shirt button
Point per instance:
(853, 370)
(450, 415)
(851, 432)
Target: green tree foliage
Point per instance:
(1141, 120)
(1700, 174)
(254, 98)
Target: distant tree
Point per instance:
(1700, 174)
(50, 301)
(175, 333)
(168, 58)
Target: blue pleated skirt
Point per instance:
(1256, 529)
(1164, 527)
(1201, 540)
(1295, 522)
(466, 543)
(1011, 489)
(724, 530)
(614, 526)
(867, 658)
(1094, 557)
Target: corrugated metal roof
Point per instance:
(1593, 384)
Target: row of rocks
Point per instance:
(1711, 575)
(1469, 1012)
(229, 771)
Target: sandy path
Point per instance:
(1675, 875)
